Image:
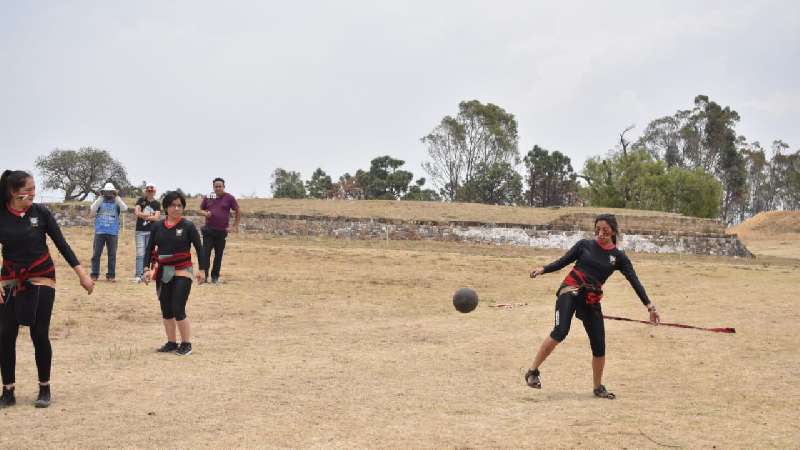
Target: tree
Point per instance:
(479, 136)
(705, 138)
(760, 188)
(689, 192)
(347, 188)
(286, 184)
(611, 180)
(652, 185)
(319, 185)
(496, 184)
(417, 193)
(785, 173)
(551, 180)
(385, 179)
(81, 173)
(135, 191)
(664, 140)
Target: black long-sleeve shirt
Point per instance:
(599, 264)
(175, 239)
(23, 237)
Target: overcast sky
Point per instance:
(183, 91)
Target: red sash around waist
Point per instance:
(40, 268)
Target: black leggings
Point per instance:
(173, 297)
(9, 329)
(591, 316)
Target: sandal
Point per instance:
(532, 378)
(603, 393)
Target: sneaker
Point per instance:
(43, 401)
(184, 349)
(602, 392)
(532, 378)
(136, 280)
(111, 280)
(168, 347)
(216, 281)
(7, 399)
(94, 277)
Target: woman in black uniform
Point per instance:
(580, 294)
(28, 279)
(169, 250)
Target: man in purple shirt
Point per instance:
(217, 209)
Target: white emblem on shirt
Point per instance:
(612, 259)
(147, 210)
(35, 222)
(179, 232)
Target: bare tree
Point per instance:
(83, 172)
(623, 143)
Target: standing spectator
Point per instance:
(217, 210)
(147, 211)
(107, 210)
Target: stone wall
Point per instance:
(649, 234)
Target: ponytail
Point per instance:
(11, 180)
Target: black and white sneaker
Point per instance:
(184, 349)
(169, 347)
(43, 401)
(532, 378)
(7, 399)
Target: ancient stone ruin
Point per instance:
(640, 233)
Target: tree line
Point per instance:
(691, 162)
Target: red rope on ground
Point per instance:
(678, 325)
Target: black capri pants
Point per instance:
(568, 304)
(173, 297)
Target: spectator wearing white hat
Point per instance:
(147, 211)
(107, 210)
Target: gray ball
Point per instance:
(465, 300)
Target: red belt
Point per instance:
(177, 260)
(593, 291)
(12, 271)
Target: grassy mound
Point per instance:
(769, 225)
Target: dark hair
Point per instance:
(170, 197)
(218, 179)
(611, 220)
(12, 180)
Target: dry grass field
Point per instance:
(325, 343)
(403, 210)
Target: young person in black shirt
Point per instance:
(169, 250)
(147, 212)
(28, 279)
(580, 294)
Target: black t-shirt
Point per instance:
(599, 264)
(173, 240)
(23, 237)
(147, 208)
